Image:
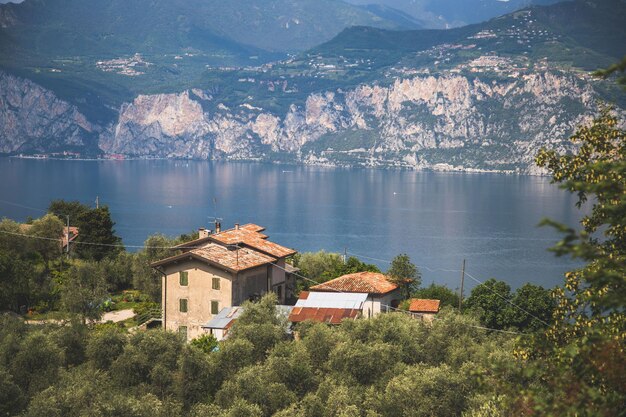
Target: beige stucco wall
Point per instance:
(199, 294)
(234, 290)
(375, 304)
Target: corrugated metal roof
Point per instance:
(323, 315)
(349, 300)
(224, 318)
(227, 316)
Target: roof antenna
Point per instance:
(216, 220)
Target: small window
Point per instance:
(216, 283)
(183, 278)
(215, 307)
(183, 305)
(182, 331)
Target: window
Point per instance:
(215, 307)
(216, 283)
(183, 278)
(183, 305)
(182, 331)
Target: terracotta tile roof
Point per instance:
(253, 227)
(255, 240)
(323, 315)
(235, 259)
(367, 282)
(216, 254)
(419, 305)
(73, 235)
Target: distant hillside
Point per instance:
(452, 13)
(113, 27)
(479, 97)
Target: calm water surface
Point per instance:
(437, 218)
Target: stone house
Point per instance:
(221, 269)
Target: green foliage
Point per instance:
(36, 363)
(149, 363)
(423, 391)
(260, 325)
(581, 356)
(323, 266)
(83, 289)
(528, 309)
(104, 346)
(145, 278)
(438, 292)
(95, 229)
(96, 226)
(618, 67)
(206, 343)
(490, 302)
(404, 273)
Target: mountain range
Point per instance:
(220, 80)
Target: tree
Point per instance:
(105, 345)
(145, 278)
(261, 325)
(323, 266)
(48, 230)
(95, 231)
(438, 292)
(582, 355)
(206, 343)
(537, 304)
(490, 302)
(95, 228)
(83, 289)
(404, 273)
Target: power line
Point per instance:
(473, 278)
(193, 247)
(397, 309)
(23, 206)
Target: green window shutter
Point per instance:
(215, 307)
(216, 283)
(183, 277)
(183, 305)
(182, 331)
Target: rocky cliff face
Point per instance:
(449, 121)
(35, 120)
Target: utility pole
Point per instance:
(67, 237)
(97, 201)
(462, 282)
(345, 255)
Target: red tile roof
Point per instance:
(253, 227)
(253, 239)
(366, 282)
(419, 305)
(323, 315)
(233, 259)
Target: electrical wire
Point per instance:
(193, 247)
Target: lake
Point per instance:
(438, 219)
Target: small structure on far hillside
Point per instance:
(423, 308)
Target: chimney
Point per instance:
(202, 232)
(218, 227)
(236, 226)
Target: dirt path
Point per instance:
(115, 316)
